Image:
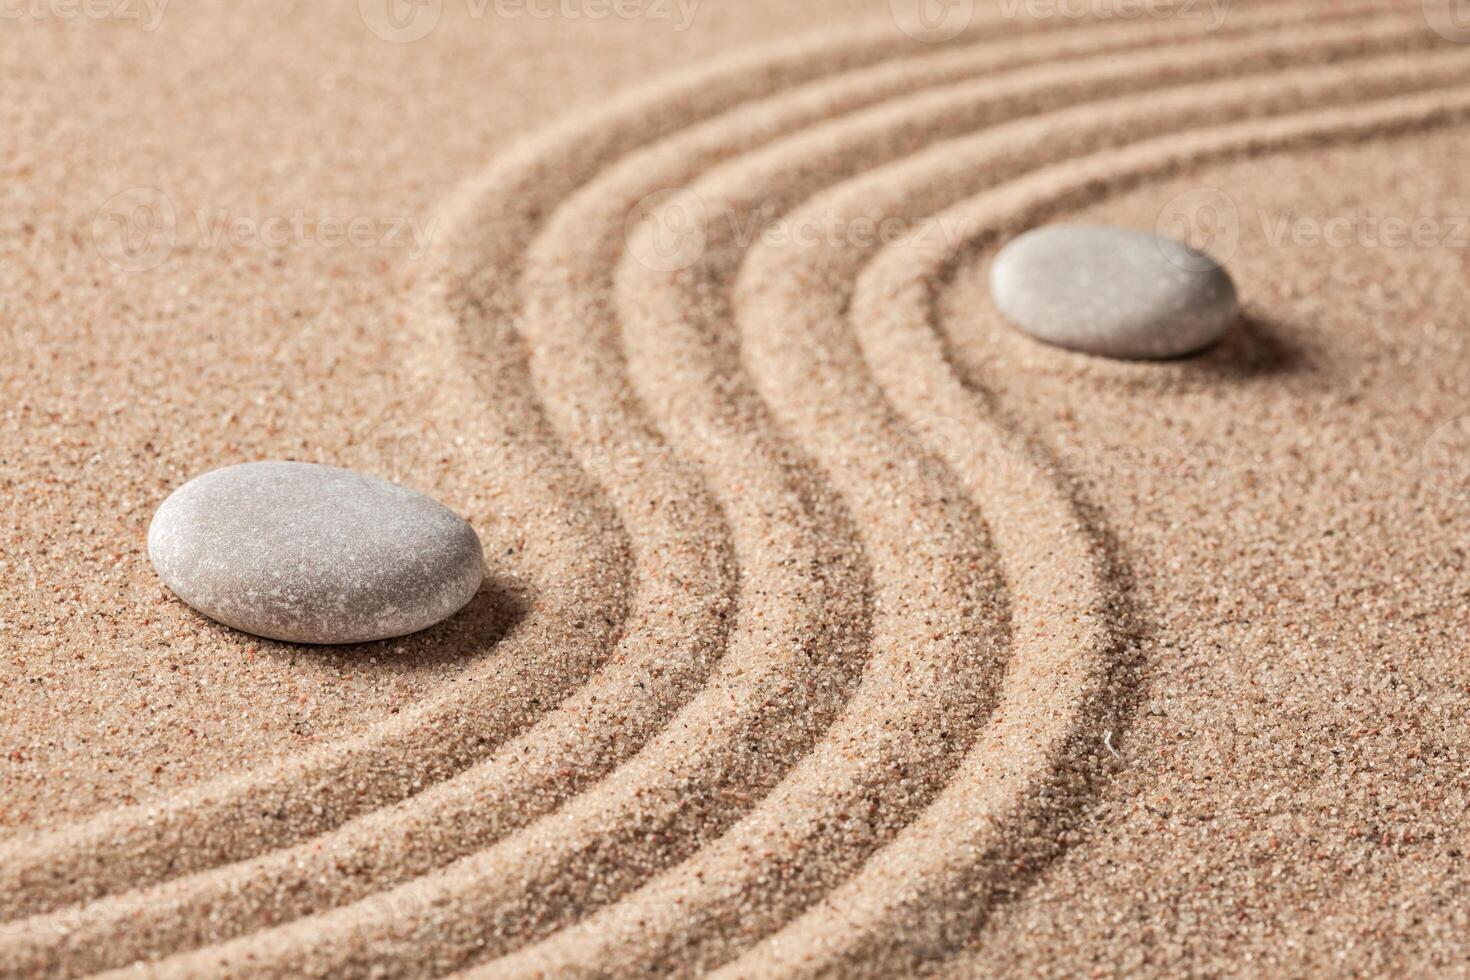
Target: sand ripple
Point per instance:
(834, 643)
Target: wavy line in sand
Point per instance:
(220, 821)
(925, 895)
(124, 849)
(307, 795)
(458, 909)
(857, 89)
(667, 915)
(665, 420)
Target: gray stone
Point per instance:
(1115, 292)
(314, 554)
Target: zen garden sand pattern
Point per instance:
(815, 518)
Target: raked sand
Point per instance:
(832, 627)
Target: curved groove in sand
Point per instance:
(494, 216)
(678, 900)
(764, 500)
(567, 634)
(263, 878)
(150, 854)
(475, 915)
(303, 796)
(919, 898)
(221, 821)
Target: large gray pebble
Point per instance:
(314, 554)
(1114, 292)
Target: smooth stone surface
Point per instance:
(314, 554)
(1115, 292)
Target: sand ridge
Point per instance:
(814, 692)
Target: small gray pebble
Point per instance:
(314, 554)
(1115, 292)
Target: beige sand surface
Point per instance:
(832, 628)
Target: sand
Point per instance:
(832, 627)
